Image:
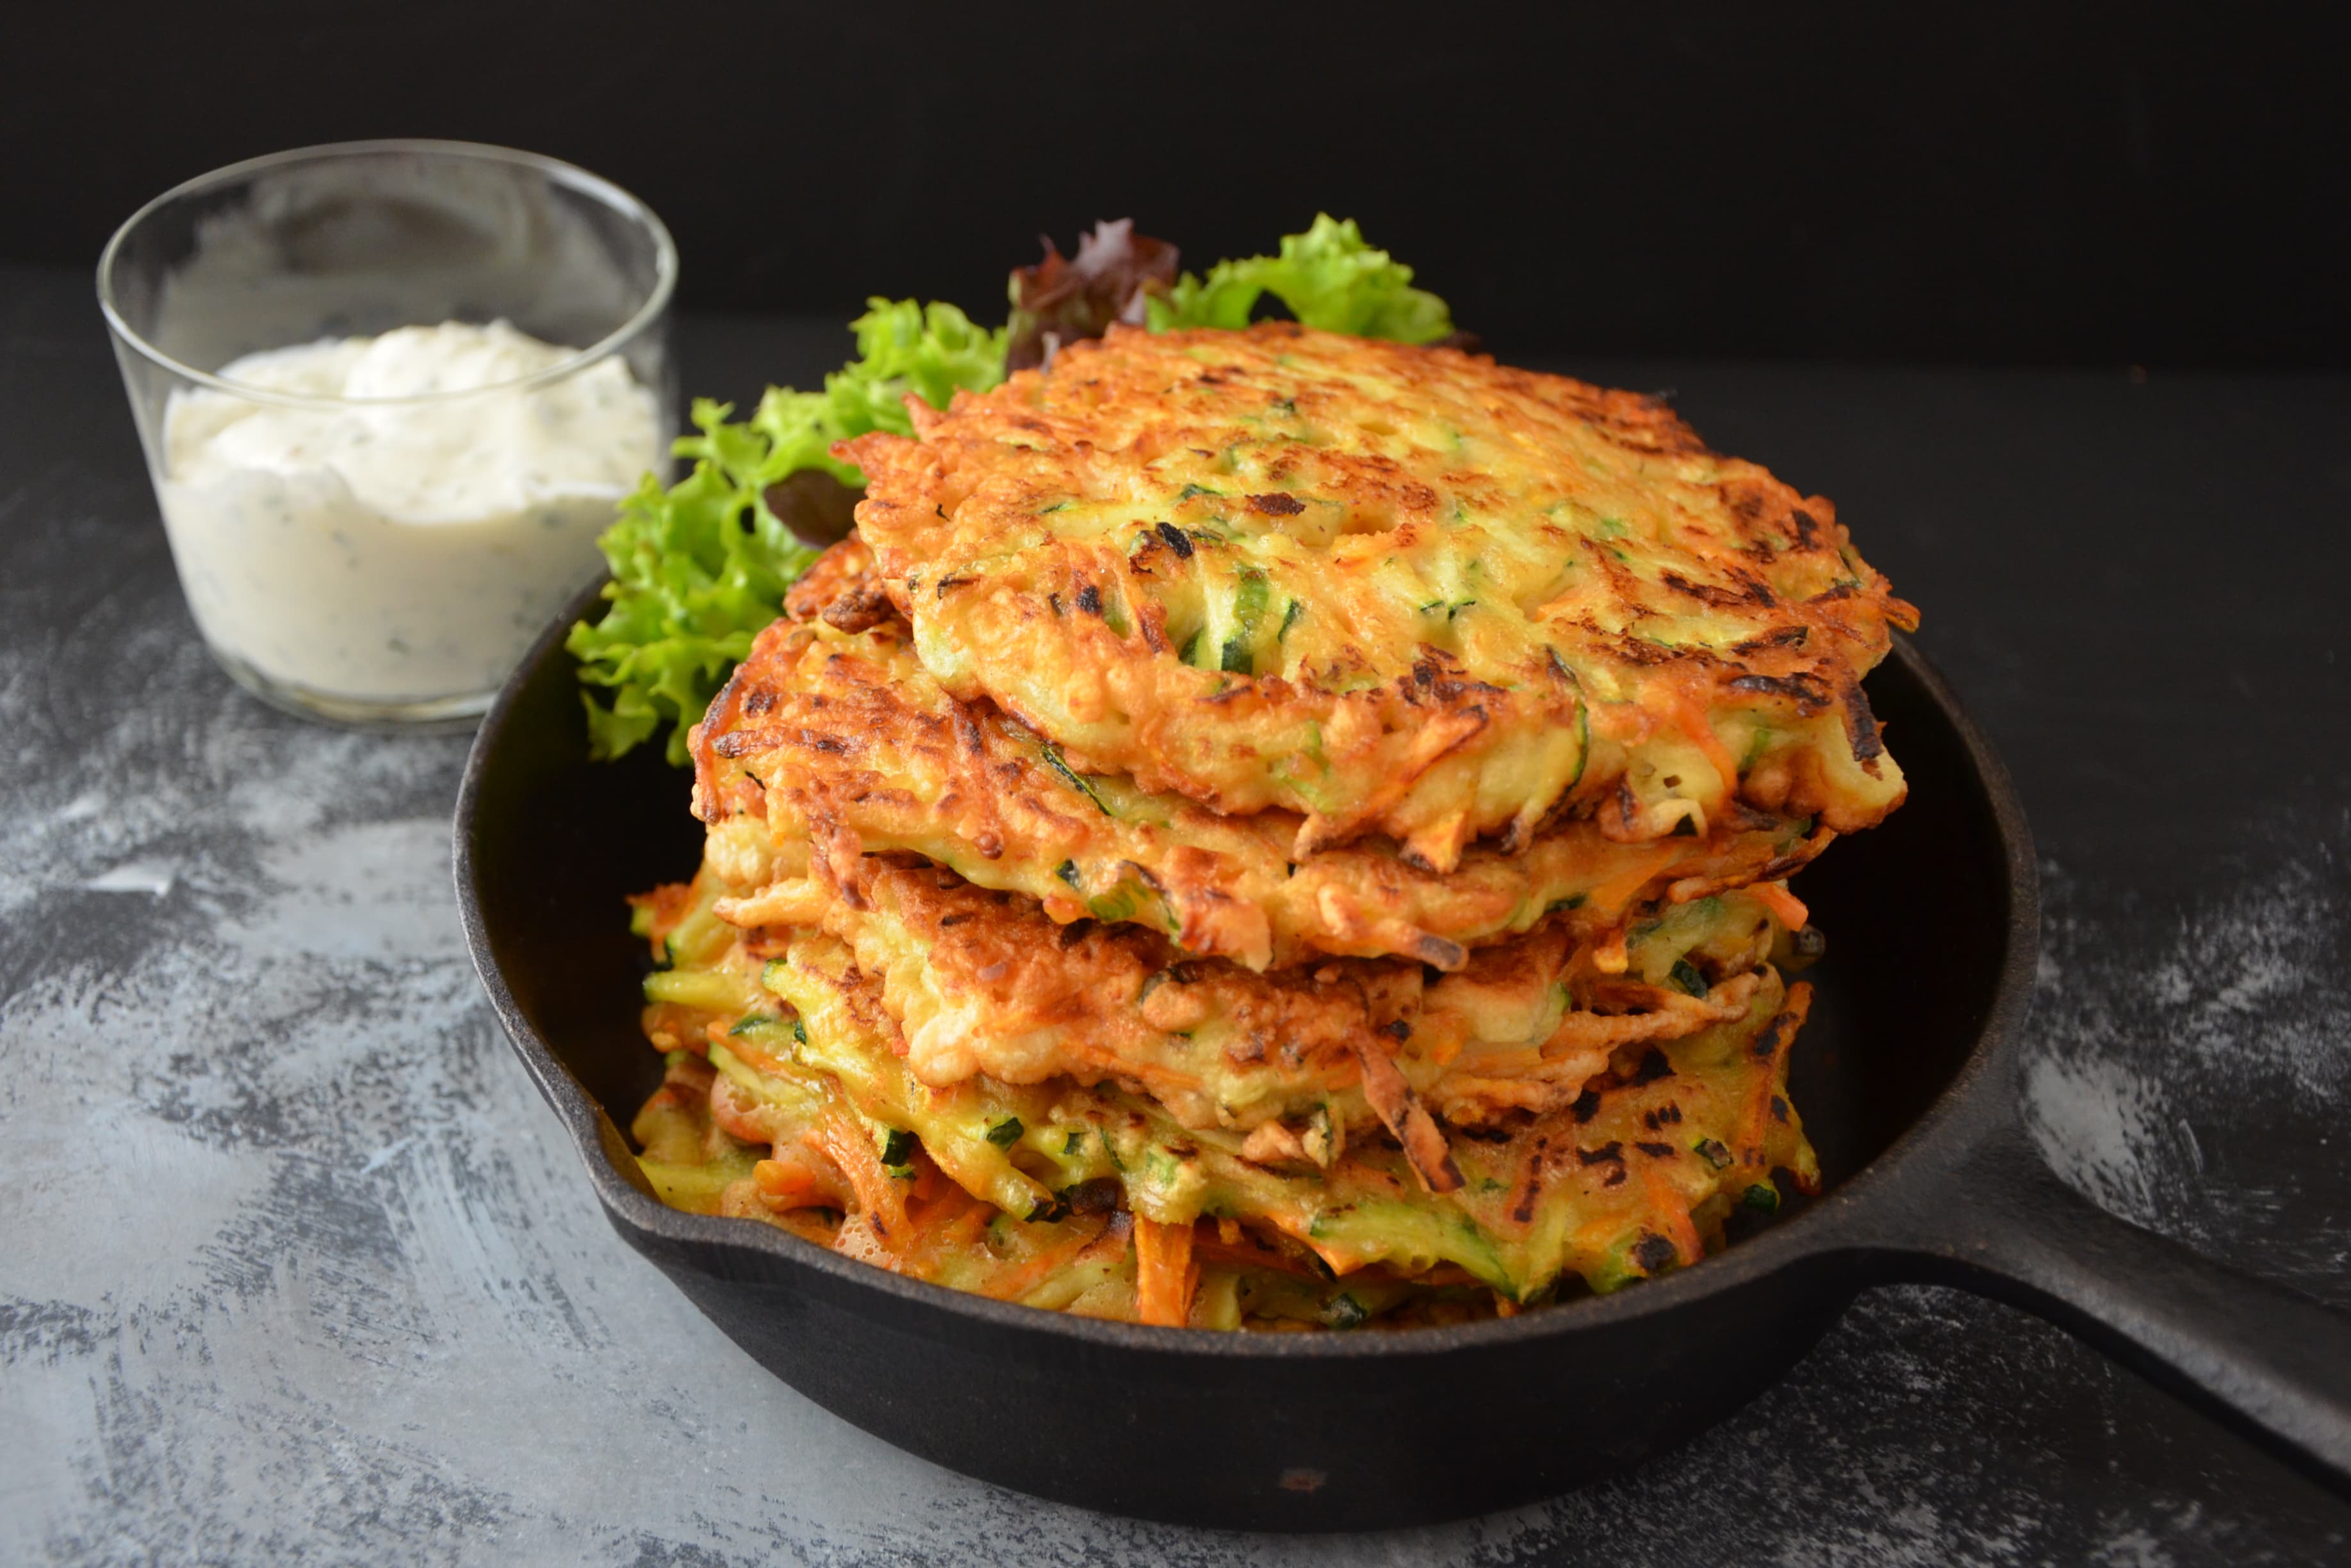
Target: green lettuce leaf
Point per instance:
(1328, 277)
(700, 567)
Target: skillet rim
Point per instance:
(1959, 1115)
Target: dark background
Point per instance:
(2057, 182)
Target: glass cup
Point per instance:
(389, 393)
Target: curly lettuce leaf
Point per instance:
(700, 567)
(697, 570)
(1330, 278)
(932, 350)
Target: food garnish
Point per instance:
(700, 566)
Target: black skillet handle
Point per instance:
(2266, 1360)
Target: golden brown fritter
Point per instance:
(811, 1121)
(852, 743)
(985, 984)
(1390, 590)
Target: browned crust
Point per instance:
(983, 982)
(845, 740)
(1791, 614)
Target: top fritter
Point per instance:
(1398, 591)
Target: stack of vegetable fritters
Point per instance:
(1270, 828)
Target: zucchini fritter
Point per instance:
(785, 1101)
(1391, 589)
(851, 742)
(983, 983)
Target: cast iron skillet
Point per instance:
(1905, 1077)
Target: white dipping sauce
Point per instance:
(398, 552)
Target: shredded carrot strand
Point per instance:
(1754, 1125)
(1786, 907)
(787, 1185)
(936, 1202)
(1335, 1258)
(926, 1178)
(1669, 1207)
(1448, 1274)
(666, 905)
(840, 1136)
(1609, 898)
(1164, 1273)
(1248, 1254)
(950, 1223)
(1690, 717)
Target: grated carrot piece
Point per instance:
(784, 1183)
(1610, 897)
(1165, 1274)
(1754, 1117)
(1692, 718)
(841, 1137)
(927, 1179)
(1248, 1254)
(1669, 1205)
(665, 907)
(1786, 907)
(949, 1223)
(1393, 1100)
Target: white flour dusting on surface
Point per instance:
(2150, 1065)
(2097, 1123)
(152, 877)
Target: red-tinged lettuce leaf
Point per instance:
(1062, 299)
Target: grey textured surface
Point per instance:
(296, 1265)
